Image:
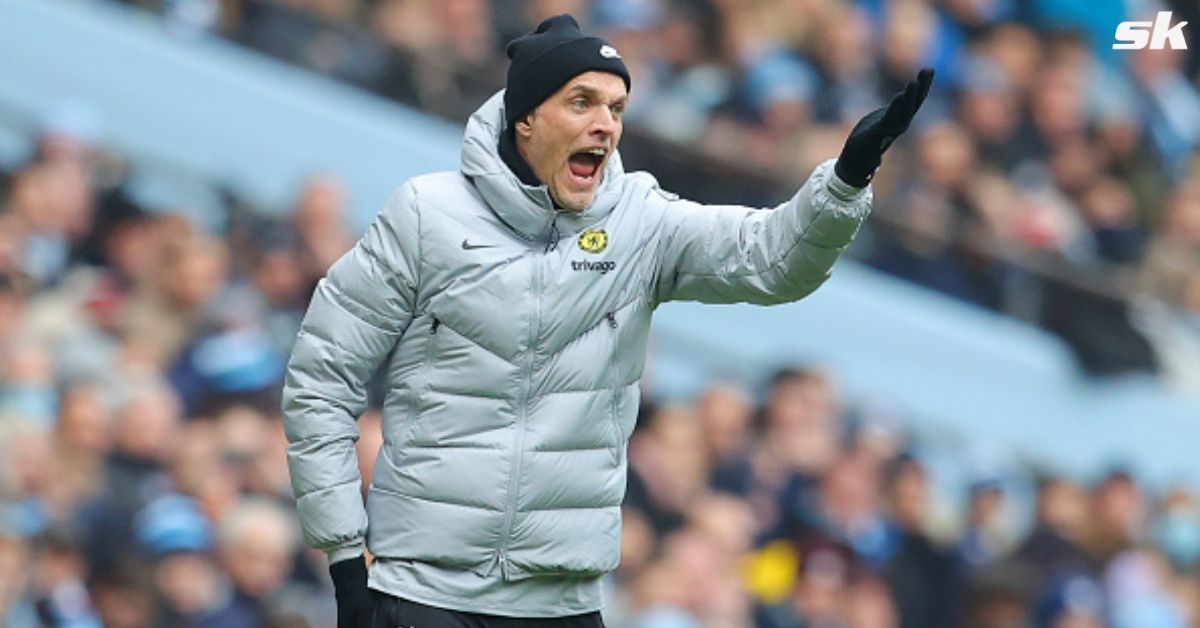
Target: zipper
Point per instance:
(554, 235)
(510, 510)
(613, 411)
(425, 384)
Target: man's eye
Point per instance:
(579, 103)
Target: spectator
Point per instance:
(667, 468)
(177, 538)
(1073, 601)
(145, 431)
(58, 582)
(321, 35)
(123, 594)
(820, 597)
(1171, 106)
(987, 538)
(1119, 519)
(318, 220)
(725, 413)
(1054, 546)
(921, 575)
(255, 544)
(1175, 530)
(15, 608)
(169, 310)
(1138, 583)
(870, 605)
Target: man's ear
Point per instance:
(524, 126)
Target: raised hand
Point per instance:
(877, 130)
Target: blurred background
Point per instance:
(986, 419)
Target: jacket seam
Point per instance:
(435, 446)
(633, 300)
(329, 488)
(309, 439)
(374, 255)
(336, 403)
(463, 393)
(553, 509)
(334, 287)
(801, 238)
(411, 402)
(396, 493)
(416, 205)
(562, 450)
(473, 341)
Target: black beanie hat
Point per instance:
(544, 60)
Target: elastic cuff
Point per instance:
(842, 190)
(354, 549)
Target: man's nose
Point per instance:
(604, 122)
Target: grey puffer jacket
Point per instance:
(513, 338)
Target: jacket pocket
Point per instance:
(424, 381)
(580, 542)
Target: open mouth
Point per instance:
(585, 165)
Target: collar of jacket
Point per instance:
(526, 209)
(515, 162)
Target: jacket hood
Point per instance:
(527, 209)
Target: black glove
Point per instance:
(877, 130)
(354, 599)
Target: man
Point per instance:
(509, 304)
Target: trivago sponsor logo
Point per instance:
(595, 267)
(1154, 35)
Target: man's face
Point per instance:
(569, 138)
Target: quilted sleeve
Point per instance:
(357, 314)
(727, 254)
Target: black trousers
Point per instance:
(394, 612)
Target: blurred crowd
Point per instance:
(143, 473)
(143, 477)
(1050, 177)
(143, 481)
(800, 512)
